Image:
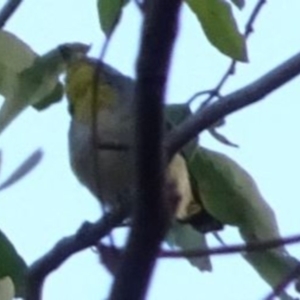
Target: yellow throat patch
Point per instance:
(81, 90)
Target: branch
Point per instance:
(150, 215)
(231, 103)
(87, 236)
(251, 247)
(253, 17)
(223, 250)
(7, 11)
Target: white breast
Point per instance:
(108, 173)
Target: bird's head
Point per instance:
(73, 52)
(90, 85)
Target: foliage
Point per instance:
(215, 17)
(12, 265)
(239, 3)
(219, 25)
(109, 14)
(231, 195)
(26, 79)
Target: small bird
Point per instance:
(101, 149)
(101, 134)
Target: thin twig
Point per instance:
(229, 249)
(88, 235)
(253, 17)
(233, 249)
(8, 10)
(233, 102)
(215, 92)
(231, 69)
(198, 94)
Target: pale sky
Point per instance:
(50, 204)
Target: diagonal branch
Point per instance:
(87, 236)
(233, 102)
(8, 10)
(233, 249)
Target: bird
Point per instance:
(101, 135)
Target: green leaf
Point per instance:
(30, 86)
(219, 25)
(184, 237)
(54, 97)
(27, 166)
(12, 265)
(109, 12)
(230, 194)
(15, 56)
(38, 84)
(239, 3)
(273, 266)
